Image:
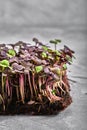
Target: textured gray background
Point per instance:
(47, 19)
(19, 18)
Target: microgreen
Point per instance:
(69, 58)
(37, 74)
(55, 42)
(45, 48)
(39, 68)
(58, 40)
(11, 53)
(57, 52)
(53, 92)
(4, 63)
(44, 55)
(64, 66)
(59, 71)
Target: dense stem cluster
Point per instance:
(33, 78)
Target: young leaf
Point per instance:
(58, 40)
(45, 48)
(39, 68)
(11, 52)
(64, 66)
(53, 92)
(53, 41)
(44, 55)
(57, 52)
(69, 58)
(58, 71)
(4, 63)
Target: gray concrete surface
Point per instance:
(64, 19)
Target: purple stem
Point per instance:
(34, 85)
(8, 87)
(21, 83)
(30, 85)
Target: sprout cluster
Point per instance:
(34, 73)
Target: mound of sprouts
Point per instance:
(33, 79)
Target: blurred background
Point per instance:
(47, 18)
(50, 19)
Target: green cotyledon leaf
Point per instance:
(53, 41)
(58, 71)
(44, 55)
(38, 68)
(4, 63)
(53, 92)
(11, 52)
(64, 66)
(57, 52)
(45, 48)
(69, 58)
(56, 41)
